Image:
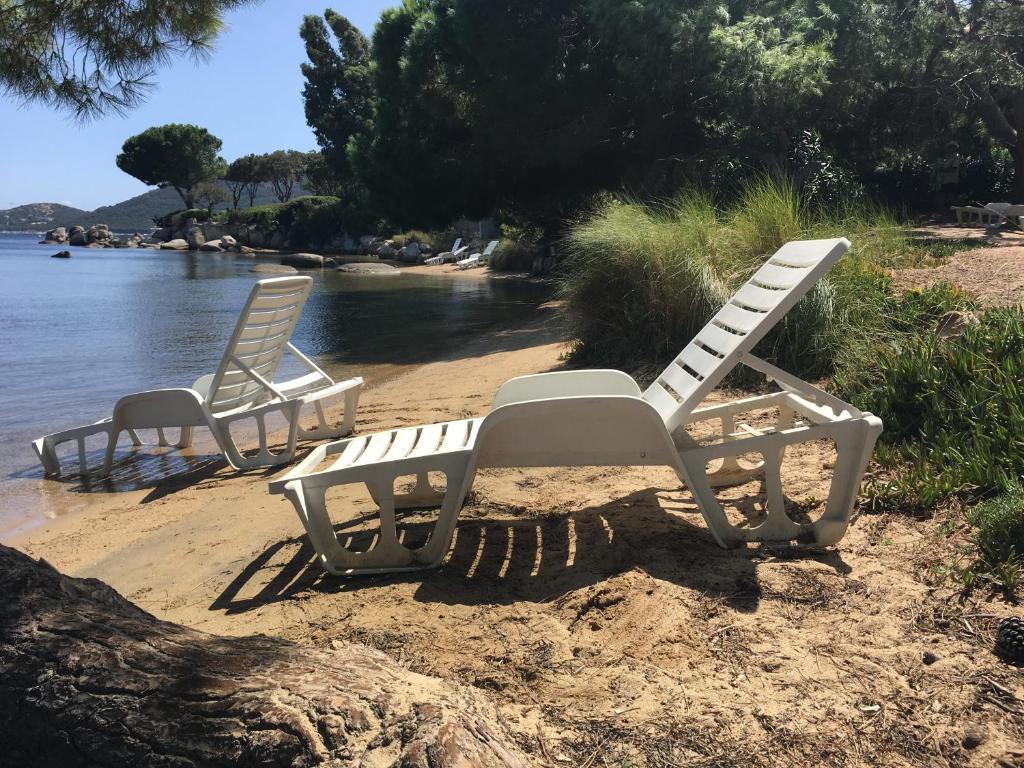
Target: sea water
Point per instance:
(78, 333)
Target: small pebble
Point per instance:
(929, 658)
(973, 737)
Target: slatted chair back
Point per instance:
(750, 314)
(264, 329)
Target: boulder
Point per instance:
(76, 236)
(386, 251)
(410, 253)
(194, 237)
(213, 230)
(303, 261)
(370, 269)
(274, 269)
(99, 233)
(58, 235)
(61, 255)
(245, 250)
(227, 241)
(211, 245)
(175, 245)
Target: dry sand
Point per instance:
(995, 275)
(591, 605)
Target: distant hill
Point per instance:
(38, 216)
(135, 213)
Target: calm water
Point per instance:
(79, 333)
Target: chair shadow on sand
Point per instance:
(495, 559)
(161, 470)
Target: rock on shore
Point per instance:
(303, 261)
(370, 269)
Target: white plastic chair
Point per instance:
(478, 258)
(453, 255)
(241, 388)
(601, 418)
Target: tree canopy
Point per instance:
(338, 94)
(89, 58)
(482, 106)
(174, 155)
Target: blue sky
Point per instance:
(248, 94)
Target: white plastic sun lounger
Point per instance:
(478, 258)
(601, 418)
(241, 388)
(453, 255)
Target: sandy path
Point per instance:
(994, 275)
(592, 605)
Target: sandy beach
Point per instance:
(590, 605)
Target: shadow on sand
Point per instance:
(533, 559)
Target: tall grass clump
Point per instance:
(642, 279)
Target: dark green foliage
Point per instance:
(176, 217)
(174, 155)
(953, 409)
(283, 169)
(534, 106)
(90, 58)
(309, 221)
(338, 94)
(244, 176)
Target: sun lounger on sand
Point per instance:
(453, 255)
(601, 418)
(243, 387)
(990, 214)
(478, 258)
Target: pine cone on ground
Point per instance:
(1010, 639)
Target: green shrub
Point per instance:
(414, 236)
(308, 221)
(175, 218)
(999, 537)
(262, 217)
(514, 256)
(953, 409)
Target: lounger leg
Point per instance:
(108, 459)
(185, 438)
(854, 440)
(221, 428)
(324, 430)
(47, 454)
(387, 553)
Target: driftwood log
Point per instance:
(89, 679)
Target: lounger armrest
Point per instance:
(543, 386)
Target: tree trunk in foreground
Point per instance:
(89, 679)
